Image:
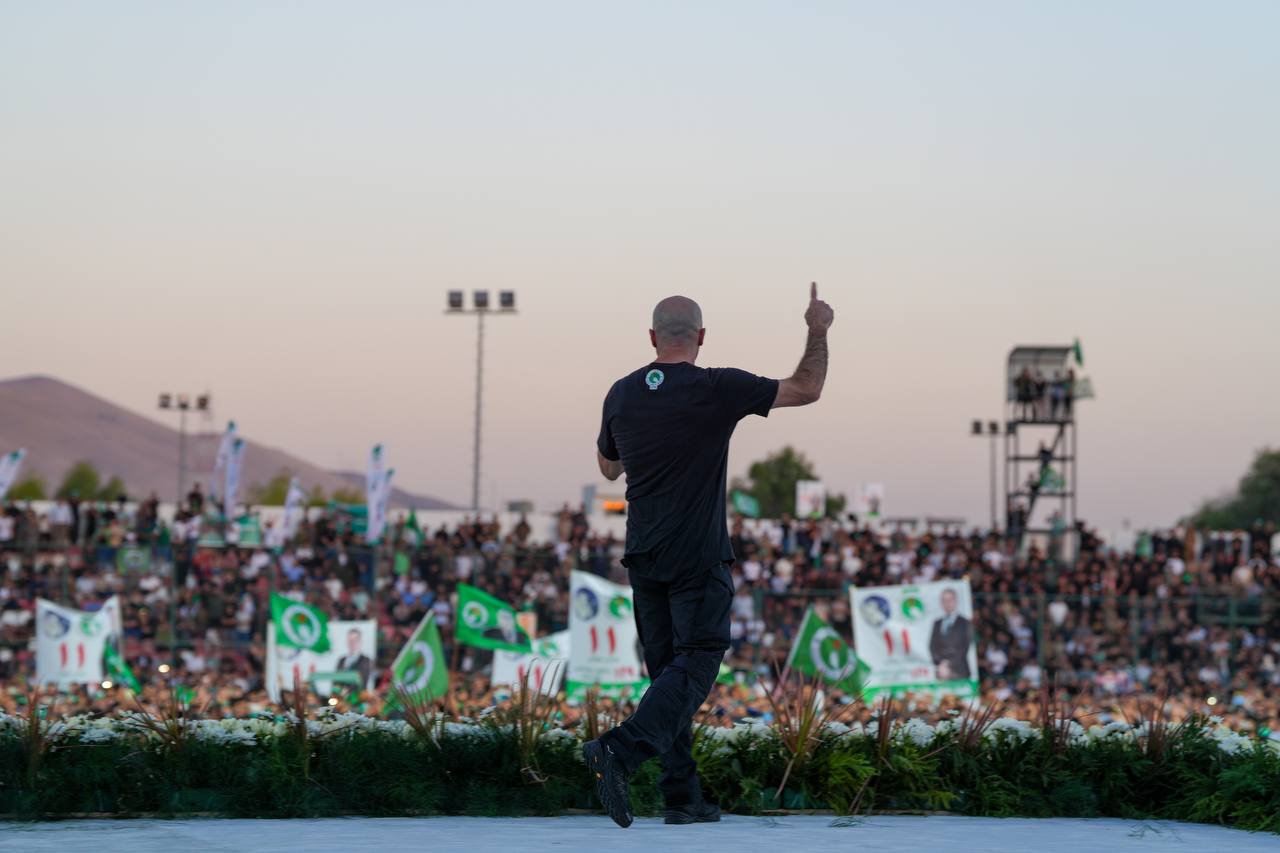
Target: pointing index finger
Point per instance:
(813, 290)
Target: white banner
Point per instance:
(10, 465)
(377, 480)
(867, 505)
(287, 527)
(69, 642)
(220, 461)
(603, 645)
(353, 647)
(811, 499)
(543, 670)
(916, 638)
(232, 488)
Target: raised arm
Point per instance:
(805, 385)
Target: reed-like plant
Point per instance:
(800, 716)
(527, 716)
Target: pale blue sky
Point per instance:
(270, 200)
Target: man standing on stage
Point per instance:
(667, 426)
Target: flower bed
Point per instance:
(351, 764)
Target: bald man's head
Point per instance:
(677, 323)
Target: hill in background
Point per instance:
(60, 424)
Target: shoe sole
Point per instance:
(618, 812)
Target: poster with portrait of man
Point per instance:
(917, 638)
(347, 666)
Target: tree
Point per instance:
(772, 482)
(275, 492)
(30, 489)
(82, 481)
(1257, 498)
(113, 490)
(345, 495)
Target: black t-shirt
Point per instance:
(670, 425)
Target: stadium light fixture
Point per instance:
(455, 300)
(507, 300)
(480, 299)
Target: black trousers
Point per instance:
(684, 631)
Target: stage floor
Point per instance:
(383, 835)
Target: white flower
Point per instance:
(915, 730)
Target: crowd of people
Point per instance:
(1183, 615)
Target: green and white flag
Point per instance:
(412, 533)
(421, 669)
(133, 559)
(231, 488)
(819, 651)
(10, 464)
(299, 625)
(118, 670)
(745, 504)
(220, 461)
(487, 623)
(377, 493)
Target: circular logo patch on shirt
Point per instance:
(654, 378)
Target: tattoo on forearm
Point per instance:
(812, 372)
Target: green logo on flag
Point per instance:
(912, 607)
(299, 625)
(488, 623)
(475, 615)
(654, 378)
(819, 651)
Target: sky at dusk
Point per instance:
(270, 200)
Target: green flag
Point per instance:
(488, 623)
(745, 504)
(412, 532)
(117, 670)
(1078, 352)
(299, 625)
(818, 650)
(725, 676)
(420, 670)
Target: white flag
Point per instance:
(377, 492)
(232, 487)
(10, 464)
(811, 499)
(293, 508)
(69, 643)
(542, 670)
(602, 638)
(221, 460)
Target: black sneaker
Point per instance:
(612, 781)
(699, 812)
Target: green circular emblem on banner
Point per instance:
(912, 607)
(654, 378)
(620, 607)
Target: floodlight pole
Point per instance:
(480, 307)
(475, 454)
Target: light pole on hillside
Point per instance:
(479, 307)
(182, 403)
